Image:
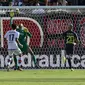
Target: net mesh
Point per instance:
(44, 23)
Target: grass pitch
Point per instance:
(42, 77)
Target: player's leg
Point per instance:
(10, 53)
(15, 61)
(27, 49)
(63, 56)
(9, 62)
(19, 61)
(69, 52)
(68, 57)
(70, 64)
(33, 57)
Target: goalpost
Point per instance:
(44, 22)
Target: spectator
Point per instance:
(10, 4)
(30, 2)
(20, 2)
(14, 2)
(52, 2)
(57, 2)
(0, 3)
(17, 2)
(73, 2)
(62, 2)
(81, 2)
(5, 2)
(43, 2)
(68, 3)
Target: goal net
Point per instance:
(44, 23)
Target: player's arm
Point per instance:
(5, 36)
(11, 21)
(27, 32)
(17, 39)
(11, 13)
(76, 39)
(5, 39)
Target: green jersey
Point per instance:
(23, 39)
(23, 36)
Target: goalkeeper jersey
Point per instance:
(23, 34)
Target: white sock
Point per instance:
(9, 61)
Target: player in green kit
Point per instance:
(23, 38)
(24, 34)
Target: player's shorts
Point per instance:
(24, 49)
(16, 52)
(69, 49)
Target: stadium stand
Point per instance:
(41, 2)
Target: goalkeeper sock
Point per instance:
(15, 61)
(33, 57)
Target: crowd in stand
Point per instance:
(41, 2)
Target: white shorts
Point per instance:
(16, 52)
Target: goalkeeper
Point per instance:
(24, 34)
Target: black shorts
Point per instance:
(69, 49)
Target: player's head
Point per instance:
(21, 26)
(70, 26)
(13, 26)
